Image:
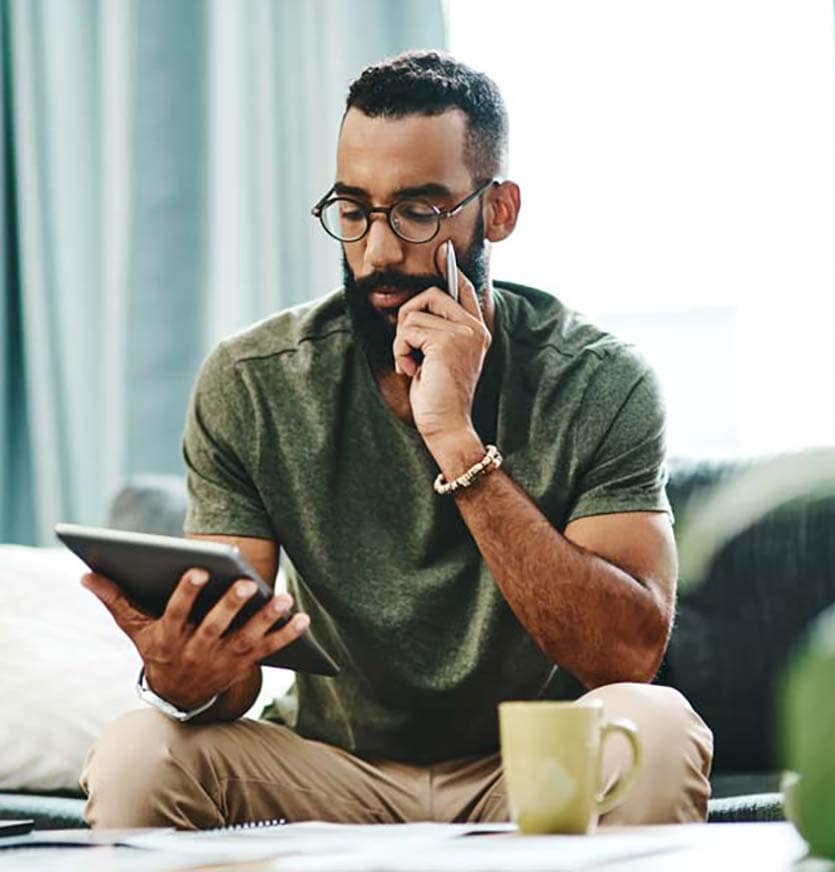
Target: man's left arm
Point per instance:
(598, 599)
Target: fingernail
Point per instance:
(245, 589)
(301, 622)
(199, 577)
(281, 602)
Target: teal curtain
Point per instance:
(158, 161)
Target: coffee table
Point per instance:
(764, 847)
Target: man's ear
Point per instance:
(501, 211)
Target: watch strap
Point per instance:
(144, 692)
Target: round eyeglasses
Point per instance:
(413, 220)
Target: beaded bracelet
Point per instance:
(491, 460)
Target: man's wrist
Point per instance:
(456, 452)
(173, 710)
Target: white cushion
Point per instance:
(66, 669)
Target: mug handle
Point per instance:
(617, 792)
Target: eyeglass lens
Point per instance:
(412, 220)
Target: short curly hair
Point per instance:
(433, 82)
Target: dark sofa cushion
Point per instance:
(733, 631)
(48, 812)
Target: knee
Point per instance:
(680, 726)
(664, 717)
(677, 750)
(136, 771)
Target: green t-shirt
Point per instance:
(288, 438)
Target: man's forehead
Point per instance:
(382, 155)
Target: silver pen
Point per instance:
(451, 272)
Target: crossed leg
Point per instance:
(147, 770)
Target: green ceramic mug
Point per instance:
(551, 756)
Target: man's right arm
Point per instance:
(188, 665)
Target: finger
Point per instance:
(429, 333)
(276, 609)
(429, 337)
(430, 315)
(188, 588)
(432, 300)
(221, 614)
(426, 319)
(273, 642)
(405, 342)
(402, 349)
(251, 635)
(126, 616)
(468, 298)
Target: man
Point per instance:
(322, 430)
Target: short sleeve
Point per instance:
(624, 439)
(223, 498)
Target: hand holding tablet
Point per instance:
(232, 607)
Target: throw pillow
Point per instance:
(66, 670)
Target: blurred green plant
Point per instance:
(806, 700)
(806, 707)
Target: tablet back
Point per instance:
(147, 568)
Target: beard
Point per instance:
(373, 330)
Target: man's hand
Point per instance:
(453, 339)
(187, 664)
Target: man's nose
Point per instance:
(383, 247)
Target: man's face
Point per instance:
(379, 161)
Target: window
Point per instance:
(690, 153)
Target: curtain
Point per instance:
(158, 162)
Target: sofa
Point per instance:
(735, 630)
(731, 638)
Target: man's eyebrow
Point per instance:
(349, 190)
(430, 189)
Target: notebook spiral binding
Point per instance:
(249, 825)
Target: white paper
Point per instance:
(490, 854)
(423, 847)
(309, 838)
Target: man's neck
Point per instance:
(394, 389)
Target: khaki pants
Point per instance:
(147, 770)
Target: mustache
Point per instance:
(396, 280)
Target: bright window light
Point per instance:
(677, 165)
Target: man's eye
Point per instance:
(416, 212)
(350, 213)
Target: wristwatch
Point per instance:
(144, 692)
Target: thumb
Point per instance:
(128, 618)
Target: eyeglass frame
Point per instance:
(440, 214)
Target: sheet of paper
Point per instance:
(313, 846)
(309, 838)
(490, 854)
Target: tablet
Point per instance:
(147, 568)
